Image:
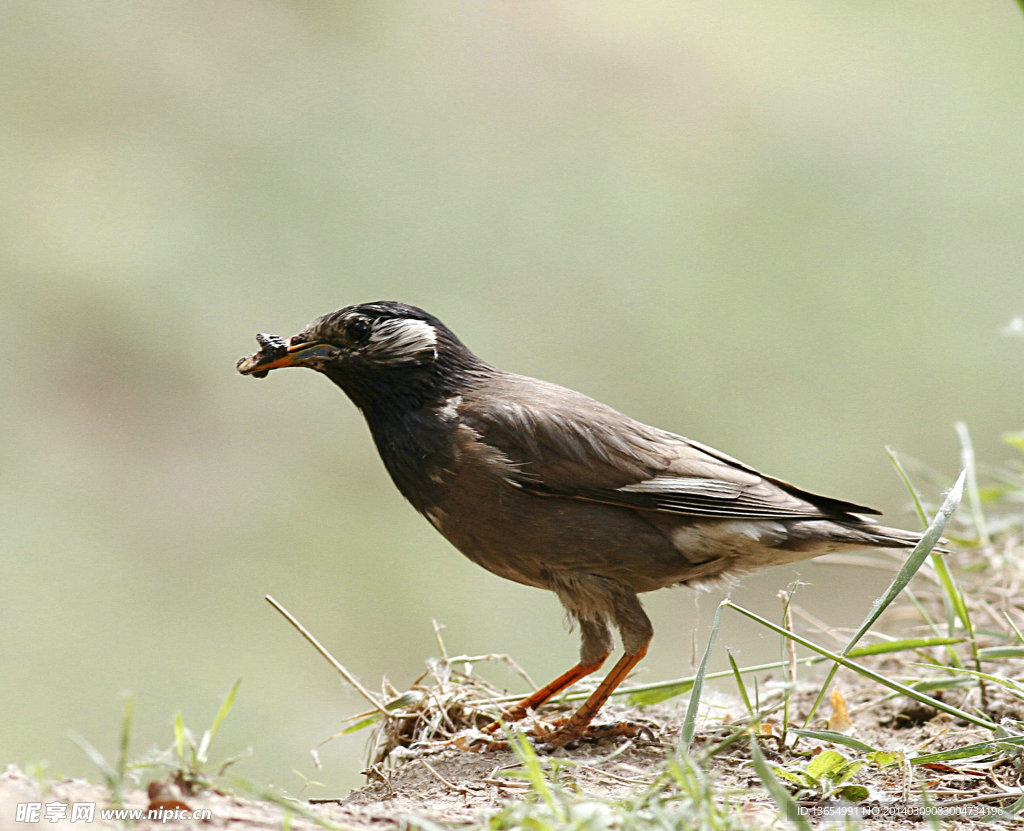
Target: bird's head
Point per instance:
(373, 351)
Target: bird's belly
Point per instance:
(547, 541)
(542, 540)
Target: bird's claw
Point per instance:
(553, 735)
(564, 733)
(477, 744)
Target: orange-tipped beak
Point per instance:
(277, 353)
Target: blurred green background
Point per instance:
(790, 230)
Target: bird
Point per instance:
(545, 486)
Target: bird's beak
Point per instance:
(275, 354)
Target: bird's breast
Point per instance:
(535, 539)
(418, 451)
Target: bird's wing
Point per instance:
(562, 443)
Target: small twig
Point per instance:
(440, 641)
(441, 707)
(787, 621)
(991, 797)
(819, 625)
(500, 782)
(319, 647)
(496, 656)
(991, 777)
(626, 780)
(448, 784)
(511, 784)
(383, 776)
(932, 739)
(367, 713)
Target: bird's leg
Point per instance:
(533, 701)
(595, 647)
(636, 630)
(576, 725)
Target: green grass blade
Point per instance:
(533, 771)
(947, 683)
(779, 794)
(97, 758)
(361, 724)
(690, 721)
(878, 678)
(1015, 628)
(644, 695)
(952, 597)
(1014, 688)
(126, 736)
(973, 495)
(995, 653)
(654, 693)
(739, 683)
(969, 751)
(834, 738)
(1015, 439)
(928, 541)
(209, 735)
(922, 514)
(179, 737)
(885, 647)
(225, 708)
(112, 777)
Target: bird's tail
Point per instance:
(880, 536)
(840, 533)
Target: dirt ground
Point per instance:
(416, 774)
(461, 789)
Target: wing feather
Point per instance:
(562, 443)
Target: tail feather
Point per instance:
(881, 536)
(855, 532)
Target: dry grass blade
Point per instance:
(334, 662)
(443, 704)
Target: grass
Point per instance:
(116, 775)
(186, 763)
(682, 795)
(957, 663)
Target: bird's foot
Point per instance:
(478, 744)
(517, 713)
(481, 741)
(563, 732)
(558, 733)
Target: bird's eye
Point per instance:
(358, 329)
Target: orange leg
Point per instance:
(578, 722)
(566, 679)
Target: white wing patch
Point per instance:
(403, 340)
(661, 485)
(746, 538)
(449, 409)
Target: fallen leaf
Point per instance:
(839, 721)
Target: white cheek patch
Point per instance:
(403, 340)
